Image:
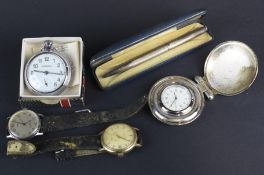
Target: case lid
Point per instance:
(230, 68)
(106, 54)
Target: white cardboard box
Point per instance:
(72, 47)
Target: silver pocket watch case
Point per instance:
(229, 69)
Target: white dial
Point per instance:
(176, 97)
(46, 73)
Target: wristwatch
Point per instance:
(26, 124)
(47, 72)
(117, 139)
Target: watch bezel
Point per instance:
(33, 134)
(120, 152)
(60, 89)
(165, 109)
(172, 117)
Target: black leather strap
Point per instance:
(92, 142)
(81, 119)
(70, 154)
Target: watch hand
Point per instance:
(55, 73)
(45, 82)
(18, 122)
(122, 137)
(28, 121)
(47, 72)
(174, 99)
(21, 121)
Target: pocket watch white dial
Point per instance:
(24, 124)
(48, 72)
(176, 97)
(175, 100)
(119, 138)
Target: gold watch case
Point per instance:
(119, 138)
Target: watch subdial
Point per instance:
(119, 138)
(24, 124)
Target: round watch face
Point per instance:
(47, 73)
(119, 138)
(175, 100)
(176, 97)
(24, 124)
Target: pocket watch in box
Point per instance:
(229, 69)
(48, 72)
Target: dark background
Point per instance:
(226, 139)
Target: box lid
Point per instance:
(105, 55)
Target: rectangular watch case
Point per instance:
(143, 43)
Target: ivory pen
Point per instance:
(154, 53)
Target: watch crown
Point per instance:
(48, 45)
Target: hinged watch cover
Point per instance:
(230, 69)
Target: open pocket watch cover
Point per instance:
(150, 49)
(117, 139)
(52, 72)
(229, 69)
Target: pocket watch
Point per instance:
(48, 72)
(25, 124)
(229, 69)
(117, 139)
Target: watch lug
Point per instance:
(101, 133)
(39, 134)
(83, 110)
(120, 155)
(10, 137)
(138, 145)
(101, 150)
(136, 129)
(40, 115)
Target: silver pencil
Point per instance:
(160, 50)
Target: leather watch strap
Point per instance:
(82, 119)
(69, 154)
(24, 148)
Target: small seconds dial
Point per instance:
(46, 73)
(24, 124)
(176, 98)
(119, 137)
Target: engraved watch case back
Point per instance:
(230, 68)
